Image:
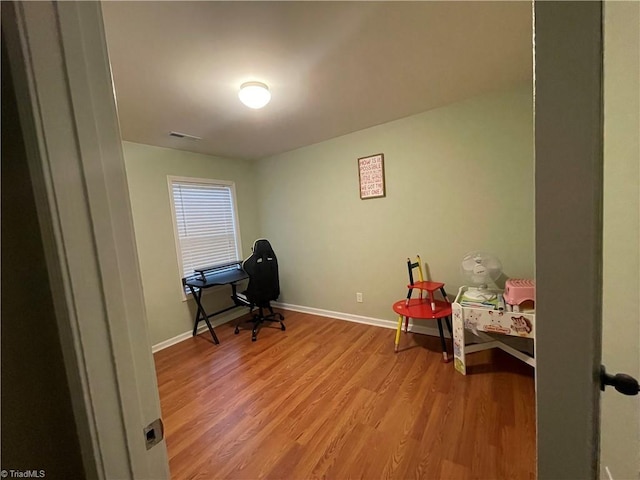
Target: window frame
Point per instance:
(171, 179)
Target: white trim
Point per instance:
(608, 472)
(376, 322)
(223, 318)
(236, 226)
(58, 56)
(16, 26)
(349, 317)
(176, 240)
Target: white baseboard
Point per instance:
(224, 318)
(376, 322)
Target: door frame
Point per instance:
(568, 224)
(59, 63)
(620, 417)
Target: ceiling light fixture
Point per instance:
(254, 94)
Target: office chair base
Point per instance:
(259, 319)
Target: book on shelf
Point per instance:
(494, 304)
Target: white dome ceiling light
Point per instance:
(254, 94)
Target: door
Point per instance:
(570, 110)
(620, 415)
(568, 231)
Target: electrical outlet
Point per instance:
(359, 297)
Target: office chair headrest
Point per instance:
(262, 248)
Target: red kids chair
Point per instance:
(425, 307)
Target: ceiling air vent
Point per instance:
(184, 135)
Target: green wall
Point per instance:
(147, 168)
(458, 178)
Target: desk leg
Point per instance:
(201, 314)
(458, 340)
(194, 294)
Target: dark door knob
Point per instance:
(623, 383)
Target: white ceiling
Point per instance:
(333, 67)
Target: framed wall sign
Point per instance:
(371, 176)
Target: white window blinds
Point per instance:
(206, 227)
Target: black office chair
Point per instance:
(264, 286)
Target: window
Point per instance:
(205, 222)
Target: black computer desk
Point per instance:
(207, 277)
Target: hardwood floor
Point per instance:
(329, 399)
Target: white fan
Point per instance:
(481, 270)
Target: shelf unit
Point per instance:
(481, 322)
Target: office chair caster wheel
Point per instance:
(282, 327)
(253, 339)
(236, 331)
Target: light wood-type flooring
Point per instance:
(330, 399)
